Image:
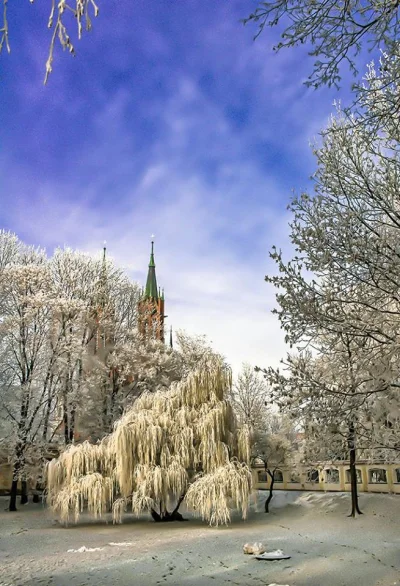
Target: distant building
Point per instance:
(151, 306)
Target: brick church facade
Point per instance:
(151, 307)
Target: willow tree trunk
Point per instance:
(164, 516)
(353, 472)
(271, 489)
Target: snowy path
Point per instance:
(327, 548)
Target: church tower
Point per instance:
(151, 305)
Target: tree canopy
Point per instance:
(335, 31)
(181, 444)
(337, 295)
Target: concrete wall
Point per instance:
(5, 477)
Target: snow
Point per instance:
(326, 546)
(84, 548)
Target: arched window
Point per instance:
(358, 475)
(278, 475)
(313, 475)
(262, 476)
(332, 475)
(397, 475)
(377, 476)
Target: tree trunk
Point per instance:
(48, 407)
(174, 516)
(24, 492)
(65, 419)
(105, 411)
(18, 463)
(115, 389)
(67, 408)
(178, 504)
(21, 443)
(353, 474)
(13, 496)
(271, 488)
(71, 431)
(164, 516)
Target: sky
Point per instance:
(170, 120)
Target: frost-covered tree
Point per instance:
(345, 275)
(338, 296)
(171, 446)
(74, 325)
(195, 349)
(25, 295)
(330, 397)
(271, 434)
(59, 13)
(250, 397)
(71, 358)
(131, 368)
(60, 321)
(273, 444)
(110, 380)
(335, 31)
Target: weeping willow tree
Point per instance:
(180, 445)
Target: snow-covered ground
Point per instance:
(327, 547)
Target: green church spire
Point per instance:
(151, 291)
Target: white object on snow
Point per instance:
(255, 548)
(84, 548)
(122, 544)
(273, 555)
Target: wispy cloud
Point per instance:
(170, 120)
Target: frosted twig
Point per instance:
(80, 10)
(4, 30)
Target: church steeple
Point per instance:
(151, 304)
(151, 283)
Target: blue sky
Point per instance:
(170, 120)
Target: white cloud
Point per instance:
(210, 286)
(213, 231)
